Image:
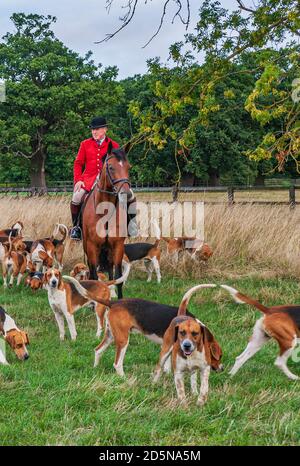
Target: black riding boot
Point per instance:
(76, 230)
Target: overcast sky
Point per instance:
(82, 22)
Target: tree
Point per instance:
(268, 29)
(217, 152)
(51, 94)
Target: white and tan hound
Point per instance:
(193, 348)
(16, 338)
(81, 272)
(14, 264)
(127, 316)
(65, 299)
(14, 231)
(279, 322)
(148, 252)
(196, 248)
(45, 251)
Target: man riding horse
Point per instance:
(87, 166)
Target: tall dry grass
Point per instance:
(258, 240)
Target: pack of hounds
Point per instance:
(187, 345)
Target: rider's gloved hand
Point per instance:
(78, 186)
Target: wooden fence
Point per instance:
(230, 190)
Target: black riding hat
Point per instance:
(98, 122)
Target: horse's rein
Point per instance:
(115, 191)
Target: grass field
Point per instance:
(58, 398)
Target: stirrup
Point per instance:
(76, 233)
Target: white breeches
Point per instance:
(77, 196)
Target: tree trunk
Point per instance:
(259, 180)
(37, 170)
(214, 179)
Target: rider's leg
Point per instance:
(75, 211)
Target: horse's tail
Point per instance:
(87, 294)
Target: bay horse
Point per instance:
(104, 217)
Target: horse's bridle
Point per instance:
(115, 191)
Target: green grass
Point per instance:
(58, 398)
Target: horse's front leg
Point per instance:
(92, 252)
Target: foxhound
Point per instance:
(127, 316)
(65, 299)
(279, 322)
(16, 338)
(45, 251)
(149, 253)
(35, 280)
(196, 248)
(15, 265)
(81, 272)
(14, 231)
(192, 347)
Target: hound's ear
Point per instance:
(42, 255)
(73, 273)
(11, 341)
(165, 239)
(110, 147)
(216, 350)
(170, 335)
(127, 147)
(211, 344)
(175, 335)
(26, 339)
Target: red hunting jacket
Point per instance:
(90, 156)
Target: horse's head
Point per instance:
(116, 171)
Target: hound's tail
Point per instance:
(18, 226)
(86, 293)
(62, 229)
(186, 298)
(126, 268)
(90, 295)
(9, 243)
(243, 299)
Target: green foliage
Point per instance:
(198, 118)
(227, 40)
(52, 93)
